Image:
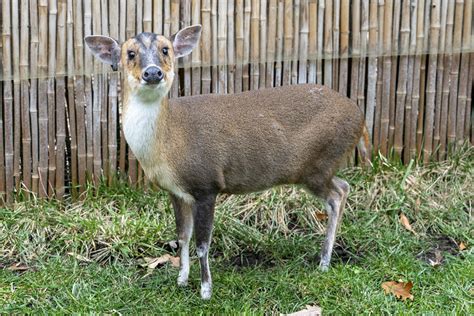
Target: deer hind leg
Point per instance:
(203, 214)
(335, 198)
(343, 189)
(184, 226)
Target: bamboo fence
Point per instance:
(408, 64)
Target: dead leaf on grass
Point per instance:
(310, 310)
(462, 246)
(152, 263)
(321, 216)
(18, 267)
(401, 290)
(406, 223)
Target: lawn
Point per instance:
(89, 255)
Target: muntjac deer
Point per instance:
(197, 147)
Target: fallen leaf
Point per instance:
(79, 257)
(321, 216)
(462, 246)
(406, 223)
(174, 261)
(401, 290)
(438, 259)
(310, 310)
(18, 267)
(152, 263)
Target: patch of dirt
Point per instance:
(440, 247)
(341, 253)
(249, 258)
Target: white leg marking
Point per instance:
(184, 263)
(206, 290)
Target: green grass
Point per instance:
(85, 256)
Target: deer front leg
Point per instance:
(203, 214)
(184, 226)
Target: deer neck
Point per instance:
(144, 113)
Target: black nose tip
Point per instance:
(153, 75)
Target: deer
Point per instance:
(200, 146)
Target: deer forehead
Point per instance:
(148, 49)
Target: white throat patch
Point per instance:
(140, 121)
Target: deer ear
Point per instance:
(105, 48)
(186, 40)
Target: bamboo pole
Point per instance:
(410, 83)
(7, 100)
(61, 101)
(16, 95)
(33, 102)
(319, 62)
(453, 91)
(379, 84)
(402, 78)
(296, 40)
(147, 16)
(304, 36)
(431, 81)
(89, 106)
(394, 56)
(157, 17)
(42, 97)
(279, 45)
(288, 42)
(139, 16)
(246, 61)
(206, 48)
(448, 57)
(113, 118)
(80, 100)
(421, 107)
(372, 68)
(344, 65)
(196, 55)
(328, 43)
(231, 47)
(94, 112)
(222, 47)
(122, 155)
(356, 9)
(104, 84)
(364, 35)
(469, 122)
(313, 36)
(215, 52)
(387, 77)
(2, 151)
(52, 16)
(439, 76)
(239, 43)
(336, 21)
(254, 45)
(24, 87)
(72, 133)
(271, 43)
(262, 42)
(416, 76)
(464, 76)
(185, 20)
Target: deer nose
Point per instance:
(153, 75)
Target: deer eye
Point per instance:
(165, 50)
(131, 55)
